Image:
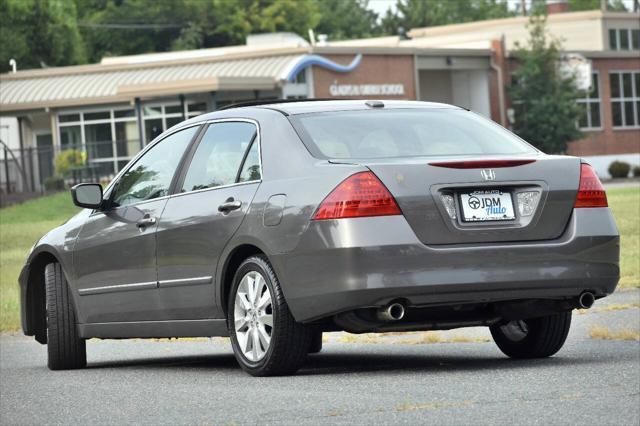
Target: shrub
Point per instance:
(619, 169)
(54, 183)
(68, 160)
(636, 171)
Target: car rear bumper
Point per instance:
(341, 265)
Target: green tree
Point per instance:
(39, 33)
(427, 13)
(544, 100)
(540, 6)
(127, 27)
(228, 22)
(345, 19)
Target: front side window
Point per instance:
(219, 156)
(625, 98)
(150, 177)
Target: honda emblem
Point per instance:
(488, 174)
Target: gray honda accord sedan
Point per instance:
(273, 223)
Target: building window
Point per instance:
(590, 105)
(625, 98)
(158, 118)
(109, 137)
(624, 39)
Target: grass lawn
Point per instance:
(22, 225)
(625, 204)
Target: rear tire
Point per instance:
(65, 349)
(316, 343)
(533, 338)
(266, 339)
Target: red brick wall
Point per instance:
(609, 140)
(374, 69)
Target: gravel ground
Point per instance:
(365, 380)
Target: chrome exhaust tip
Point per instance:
(392, 312)
(586, 300)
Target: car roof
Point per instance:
(294, 107)
(310, 106)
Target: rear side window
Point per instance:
(219, 156)
(404, 133)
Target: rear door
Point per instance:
(115, 253)
(214, 194)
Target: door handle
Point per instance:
(229, 205)
(146, 221)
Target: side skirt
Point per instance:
(149, 329)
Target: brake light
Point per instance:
(590, 192)
(481, 164)
(359, 195)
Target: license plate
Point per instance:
(481, 206)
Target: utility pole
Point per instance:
(523, 7)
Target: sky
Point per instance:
(381, 6)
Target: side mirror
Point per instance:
(87, 195)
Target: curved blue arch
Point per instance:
(309, 60)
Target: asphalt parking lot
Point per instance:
(459, 378)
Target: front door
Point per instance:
(115, 252)
(213, 197)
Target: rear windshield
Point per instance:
(404, 133)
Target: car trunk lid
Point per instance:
(445, 200)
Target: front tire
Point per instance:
(533, 338)
(266, 339)
(65, 349)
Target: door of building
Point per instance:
(44, 147)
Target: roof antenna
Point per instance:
(13, 64)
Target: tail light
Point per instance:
(591, 192)
(359, 195)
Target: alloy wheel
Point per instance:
(253, 316)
